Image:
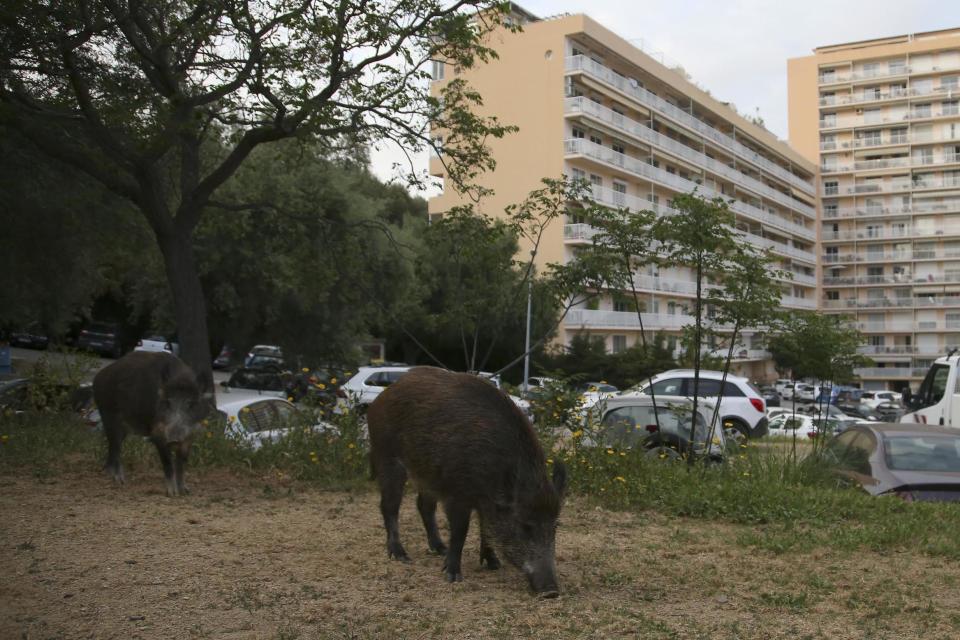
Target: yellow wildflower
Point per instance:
(621, 479)
(609, 452)
(233, 418)
(209, 435)
(289, 398)
(577, 433)
(333, 381)
(746, 473)
(305, 370)
(350, 446)
(623, 454)
(321, 386)
(4, 438)
(549, 460)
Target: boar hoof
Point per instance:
(438, 548)
(399, 553)
(454, 577)
(491, 561)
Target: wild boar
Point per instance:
(467, 445)
(154, 395)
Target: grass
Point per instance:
(798, 503)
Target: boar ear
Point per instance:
(560, 478)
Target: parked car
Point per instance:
(742, 410)
(915, 462)
(876, 398)
(632, 421)
(833, 412)
(103, 338)
(224, 359)
(789, 391)
(593, 392)
(264, 356)
(806, 392)
(157, 342)
(770, 396)
(32, 336)
(364, 387)
(257, 420)
(21, 395)
(782, 384)
(265, 382)
(803, 426)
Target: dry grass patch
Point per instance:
(248, 558)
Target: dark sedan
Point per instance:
(33, 337)
(911, 461)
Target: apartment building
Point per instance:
(591, 105)
(881, 118)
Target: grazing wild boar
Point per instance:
(467, 445)
(154, 395)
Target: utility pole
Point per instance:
(526, 346)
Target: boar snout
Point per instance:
(543, 579)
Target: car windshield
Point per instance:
(922, 453)
(155, 338)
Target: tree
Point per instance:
(163, 102)
(820, 347)
(699, 236)
(476, 287)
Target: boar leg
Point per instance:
(487, 555)
(181, 453)
(115, 434)
(427, 506)
(163, 450)
(458, 516)
(392, 477)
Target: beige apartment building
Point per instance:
(591, 105)
(881, 120)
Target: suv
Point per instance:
(631, 421)
(364, 387)
(102, 338)
(742, 410)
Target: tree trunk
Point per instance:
(189, 305)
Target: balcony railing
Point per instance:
(891, 233)
(885, 303)
(642, 132)
(944, 91)
(890, 72)
(909, 349)
(633, 89)
(896, 279)
(580, 146)
(625, 320)
(833, 214)
(803, 303)
(891, 372)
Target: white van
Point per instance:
(938, 400)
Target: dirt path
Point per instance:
(242, 559)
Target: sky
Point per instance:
(738, 49)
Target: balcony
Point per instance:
(878, 187)
(639, 168)
(848, 76)
(649, 136)
(579, 232)
(890, 372)
(802, 303)
(833, 214)
(625, 320)
(882, 163)
(630, 87)
(889, 327)
(936, 183)
(905, 350)
(870, 303)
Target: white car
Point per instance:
(593, 392)
(874, 399)
(807, 392)
(157, 343)
(781, 384)
(256, 419)
(742, 409)
(803, 425)
(364, 387)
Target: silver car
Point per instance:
(915, 462)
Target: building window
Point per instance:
(596, 180)
(831, 188)
(896, 67)
(832, 295)
(870, 69)
(950, 108)
(871, 116)
(618, 147)
(921, 110)
(898, 135)
(829, 120)
(619, 194)
(437, 71)
(619, 343)
(596, 139)
(578, 133)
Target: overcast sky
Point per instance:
(738, 49)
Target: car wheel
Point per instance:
(735, 433)
(663, 452)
